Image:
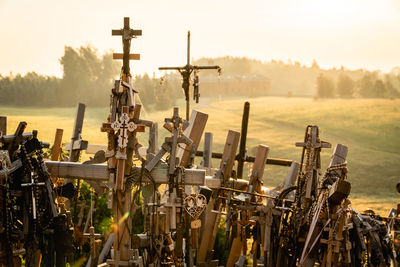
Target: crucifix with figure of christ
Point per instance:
(186, 72)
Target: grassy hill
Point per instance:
(369, 127)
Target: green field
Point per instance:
(369, 127)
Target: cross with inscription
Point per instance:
(186, 72)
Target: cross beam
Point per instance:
(186, 72)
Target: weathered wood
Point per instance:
(339, 155)
(271, 161)
(3, 125)
(207, 156)
(153, 139)
(228, 156)
(339, 191)
(258, 169)
(77, 132)
(236, 248)
(98, 172)
(212, 220)
(292, 175)
(197, 124)
(131, 56)
(56, 149)
(243, 137)
(106, 248)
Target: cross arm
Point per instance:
(216, 67)
(131, 32)
(171, 68)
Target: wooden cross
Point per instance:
(186, 72)
(77, 144)
(127, 34)
(124, 119)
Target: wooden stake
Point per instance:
(3, 125)
(207, 156)
(194, 131)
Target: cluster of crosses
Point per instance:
(305, 221)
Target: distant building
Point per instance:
(232, 85)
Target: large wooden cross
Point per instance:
(122, 122)
(186, 72)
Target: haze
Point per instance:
(352, 33)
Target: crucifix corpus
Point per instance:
(186, 72)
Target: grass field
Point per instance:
(369, 127)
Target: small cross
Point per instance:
(33, 184)
(123, 126)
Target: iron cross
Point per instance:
(123, 126)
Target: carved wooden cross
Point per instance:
(186, 72)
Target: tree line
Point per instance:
(87, 78)
(370, 85)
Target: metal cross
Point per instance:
(33, 184)
(123, 126)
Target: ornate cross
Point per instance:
(123, 126)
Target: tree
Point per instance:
(87, 76)
(325, 86)
(366, 85)
(345, 86)
(314, 64)
(379, 89)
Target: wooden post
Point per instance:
(257, 172)
(3, 125)
(153, 140)
(243, 137)
(339, 155)
(292, 175)
(194, 131)
(56, 149)
(207, 156)
(236, 248)
(76, 133)
(213, 208)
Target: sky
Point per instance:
(350, 33)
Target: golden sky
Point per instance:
(352, 33)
